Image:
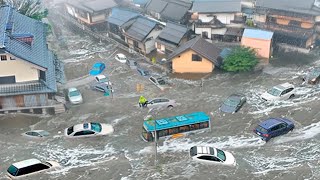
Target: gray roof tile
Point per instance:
(140, 28)
(173, 33)
(216, 6)
(121, 16)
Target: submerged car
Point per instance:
(74, 96)
(90, 129)
(97, 68)
(102, 79)
(156, 80)
(273, 127)
(280, 92)
(36, 134)
(210, 155)
(26, 168)
(143, 72)
(312, 77)
(102, 87)
(121, 58)
(161, 103)
(233, 103)
(132, 64)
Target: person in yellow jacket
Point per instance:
(143, 101)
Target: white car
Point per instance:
(210, 155)
(161, 103)
(157, 80)
(280, 92)
(36, 134)
(102, 79)
(121, 58)
(26, 168)
(74, 96)
(88, 130)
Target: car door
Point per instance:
(284, 95)
(154, 103)
(164, 103)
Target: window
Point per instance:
(164, 100)
(3, 57)
(281, 126)
(210, 158)
(80, 133)
(152, 79)
(205, 34)
(12, 58)
(204, 125)
(196, 57)
(12, 170)
(70, 130)
(275, 127)
(162, 133)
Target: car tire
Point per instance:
(291, 96)
(170, 107)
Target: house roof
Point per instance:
(37, 53)
(216, 6)
(257, 34)
(140, 2)
(172, 10)
(93, 5)
(200, 46)
(140, 28)
(302, 6)
(120, 16)
(173, 32)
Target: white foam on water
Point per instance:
(224, 142)
(79, 156)
(116, 121)
(300, 134)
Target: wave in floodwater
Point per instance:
(79, 156)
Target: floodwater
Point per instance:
(123, 155)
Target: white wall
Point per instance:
(150, 45)
(225, 18)
(200, 30)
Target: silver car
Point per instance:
(132, 64)
(161, 103)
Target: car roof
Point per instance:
(267, 124)
(284, 86)
(236, 96)
(98, 64)
(72, 89)
(26, 163)
(101, 76)
(121, 55)
(79, 127)
(205, 150)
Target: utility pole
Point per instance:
(155, 143)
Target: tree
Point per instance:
(240, 59)
(30, 8)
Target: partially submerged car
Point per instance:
(102, 87)
(161, 103)
(97, 68)
(312, 77)
(132, 64)
(211, 155)
(273, 127)
(233, 103)
(90, 129)
(36, 134)
(280, 92)
(74, 96)
(102, 79)
(121, 58)
(143, 72)
(26, 168)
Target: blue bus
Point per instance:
(174, 125)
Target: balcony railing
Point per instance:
(17, 88)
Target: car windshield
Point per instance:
(96, 127)
(104, 79)
(146, 73)
(70, 130)
(43, 133)
(74, 93)
(231, 102)
(274, 92)
(12, 170)
(96, 68)
(261, 129)
(221, 155)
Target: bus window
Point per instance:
(184, 128)
(163, 133)
(204, 125)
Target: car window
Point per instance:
(275, 128)
(32, 169)
(96, 127)
(209, 158)
(80, 133)
(282, 126)
(161, 81)
(36, 134)
(274, 92)
(70, 130)
(289, 90)
(221, 154)
(152, 79)
(29, 133)
(12, 170)
(164, 100)
(261, 129)
(156, 101)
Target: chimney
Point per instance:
(26, 38)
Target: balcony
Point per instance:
(22, 88)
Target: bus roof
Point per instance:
(176, 121)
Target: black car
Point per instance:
(233, 103)
(312, 77)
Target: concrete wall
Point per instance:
(22, 70)
(200, 30)
(150, 44)
(98, 18)
(262, 47)
(184, 64)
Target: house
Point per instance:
(117, 19)
(196, 56)
(90, 13)
(294, 24)
(169, 10)
(27, 69)
(172, 36)
(140, 3)
(140, 34)
(213, 19)
(259, 40)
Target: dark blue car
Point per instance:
(273, 127)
